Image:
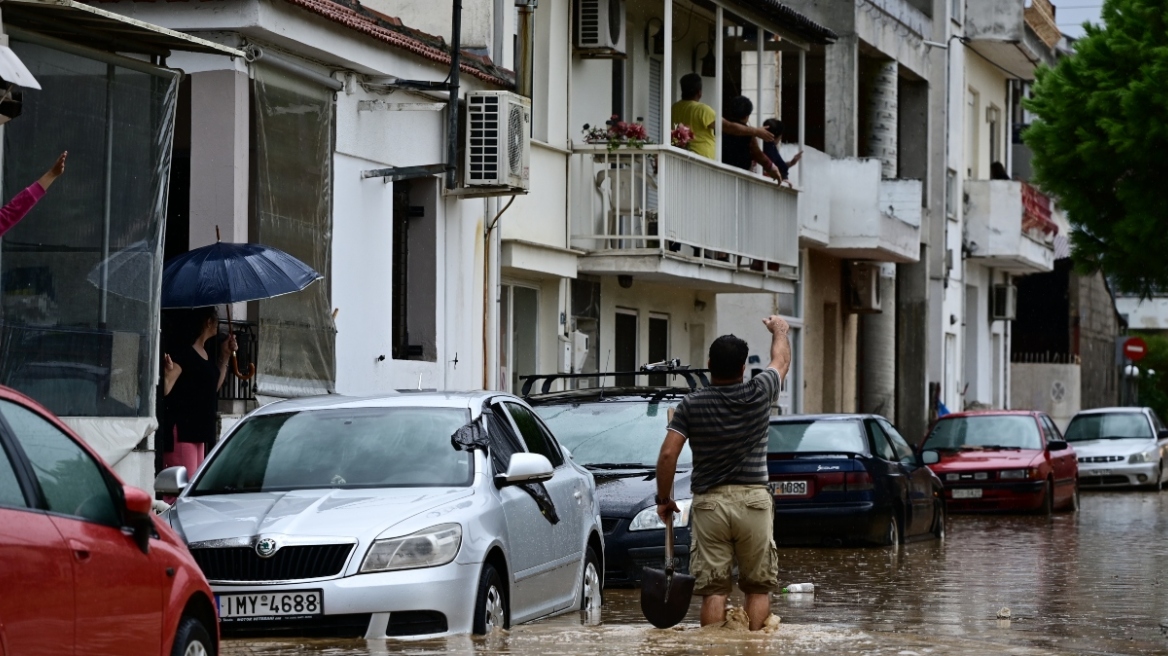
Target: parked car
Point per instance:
(420, 514)
(850, 478)
(1119, 447)
(616, 433)
(87, 567)
(1002, 460)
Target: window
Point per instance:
(538, 439)
(658, 343)
(71, 480)
(414, 272)
(993, 121)
(972, 139)
(79, 332)
(904, 452)
(880, 445)
(10, 492)
(1048, 427)
(956, 10)
(951, 194)
(504, 442)
(625, 342)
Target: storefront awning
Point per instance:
(97, 28)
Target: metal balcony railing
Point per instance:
(665, 201)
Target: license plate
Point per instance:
(1099, 472)
(967, 493)
(788, 488)
(272, 605)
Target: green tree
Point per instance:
(1153, 388)
(1100, 141)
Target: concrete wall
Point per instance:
(687, 309)
(1093, 319)
(829, 339)
(1051, 388)
(989, 84)
(994, 20)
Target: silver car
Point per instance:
(409, 515)
(1119, 447)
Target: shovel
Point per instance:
(665, 594)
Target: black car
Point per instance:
(616, 432)
(850, 478)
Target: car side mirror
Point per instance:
(1162, 434)
(930, 457)
(527, 468)
(1056, 445)
(139, 515)
(171, 481)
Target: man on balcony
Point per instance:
(701, 119)
(744, 152)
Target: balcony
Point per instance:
(1009, 226)
(851, 210)
(1013, 36)
(667, 215)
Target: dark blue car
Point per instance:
(617, 433)
(850, 478)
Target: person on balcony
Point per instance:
(22, 203)
(743, 151)
(771, 150)
(701, 119)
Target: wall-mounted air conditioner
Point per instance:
(864, 288)
(600, 28)
(498, 140)
(1004, 303)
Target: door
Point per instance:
(33, 559)
(624, 341)
(518, 337)
(920, 482)
(891, 482)
(658, 344)
(118, 589)
(567, 496)
(1062, 462)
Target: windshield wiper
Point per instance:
(620, 465)
(998, 447)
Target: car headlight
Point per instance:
(1007, 474)
(1147, 456)
(429, 547)
(647, 519)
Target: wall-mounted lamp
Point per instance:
(709, 62)
(655, 41)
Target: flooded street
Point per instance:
(1091, 583)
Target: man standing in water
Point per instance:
(732, 517)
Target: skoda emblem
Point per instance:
(266, 548)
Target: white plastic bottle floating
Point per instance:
(800, 587)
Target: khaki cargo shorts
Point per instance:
(733, 524)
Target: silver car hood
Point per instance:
(1122, 447)
(360, 514)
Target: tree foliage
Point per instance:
(1101, 139)
(1153, 387)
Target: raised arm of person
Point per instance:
(14, 211)
(743, 130)
(768, 167)
(780, 345)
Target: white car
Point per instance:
(1119, 447)
(370, 518)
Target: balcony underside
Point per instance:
(704, 274)
(1031, 256)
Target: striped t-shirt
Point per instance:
(727, 429)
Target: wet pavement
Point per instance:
(1095, 582)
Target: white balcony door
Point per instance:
(518, 335)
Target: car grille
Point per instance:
(1103, 480)
(415, 622)
(1101, 458)
(288, 564)
(609, 524)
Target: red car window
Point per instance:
(72, 482)
(10, 492)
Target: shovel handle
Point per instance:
(669, 543)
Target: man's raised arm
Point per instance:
(780, 345)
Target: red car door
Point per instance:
(38, 619)
(1062, 462)
(117, 588)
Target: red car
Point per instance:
(1004, 461)
(85, 567)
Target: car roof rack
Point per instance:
(693, 377)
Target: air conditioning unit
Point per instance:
(498, 140)
(600, 28)
(1004, 303)
(864, 291)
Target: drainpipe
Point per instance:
(452, 102)
(490, 299)
(525, 62)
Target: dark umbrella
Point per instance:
(226, 273)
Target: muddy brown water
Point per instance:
(1095, 582)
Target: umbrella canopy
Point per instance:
(225, 273)
(129, 273)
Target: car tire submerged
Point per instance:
(591, 595)
(891, 536)
(1073, 503)
(491, 609)
(939, 521)
(1046, 507)
(192, 639)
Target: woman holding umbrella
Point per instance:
(192, 378)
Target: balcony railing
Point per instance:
(236, 389)
(671, 203)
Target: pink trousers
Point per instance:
(184, 454)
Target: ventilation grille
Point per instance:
(484, 139)
(589, 23)
(288, 564)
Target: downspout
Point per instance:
(452, 101)
(524, 63)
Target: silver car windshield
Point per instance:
(344, 449)
(985, 432)
(613, 433)
(1113, 426)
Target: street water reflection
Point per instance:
(1091, 583)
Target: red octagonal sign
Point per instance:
(1135, 349)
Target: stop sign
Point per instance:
(1135, 349)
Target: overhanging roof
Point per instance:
(97, 28)
(787, 17)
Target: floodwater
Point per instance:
(1095, 582)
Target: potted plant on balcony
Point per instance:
(617, 134)
(681, 136)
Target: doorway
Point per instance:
(625, 345)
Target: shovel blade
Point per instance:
(665, 596)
